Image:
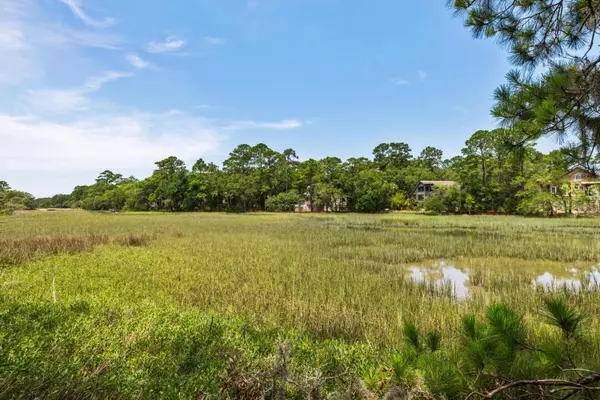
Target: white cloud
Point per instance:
(242, 125)
(133, 140)
(77, 10)
(399, 81)
(422, 75)
(202, 106)
(170, 44)
(64, 126)
(137, 62)
(215, 41)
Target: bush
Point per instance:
(450, 199)
(434, 202)
(284, 202)
(400, 201)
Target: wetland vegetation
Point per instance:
(181, 305)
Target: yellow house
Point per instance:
(581, 179)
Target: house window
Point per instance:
(427, 188)
(554, 189)
(420, 197)
(577, 187)
(577, 177)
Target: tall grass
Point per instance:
(331, 277)
(18, 250)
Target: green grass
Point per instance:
(181, 305)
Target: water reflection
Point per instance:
(587, 280)
(452, 276)
(443, 276)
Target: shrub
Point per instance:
(449, 199)
(400, 201)
(284, 202)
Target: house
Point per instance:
(580, 179)
(425, 188)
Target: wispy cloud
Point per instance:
(283, 125)
(215, 41)
(202, 106)
(137, 62)
(460, 109)
(77, 10)
(18, 58)
(96, 82)
(170, 44)
(400, 81)
(59, 101)
(422, 75)
(11, 38)
(29, 43)
(61, 36)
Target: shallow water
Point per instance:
(588, 280)
(459, 279)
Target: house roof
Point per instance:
(439, 183)
(580, 169)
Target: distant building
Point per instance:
(581, 179)
(310, 206)
(425, 188)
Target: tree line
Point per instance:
(11, 200)
(495, 172)
(498, 170)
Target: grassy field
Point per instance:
(193, 305)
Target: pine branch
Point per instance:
(580, 385)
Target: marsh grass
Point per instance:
(14, 251)
(135, 240)
(332, 279)
(18, 250)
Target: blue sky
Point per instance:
(87, 85)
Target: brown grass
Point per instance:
(134, 240)
(17, 250)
